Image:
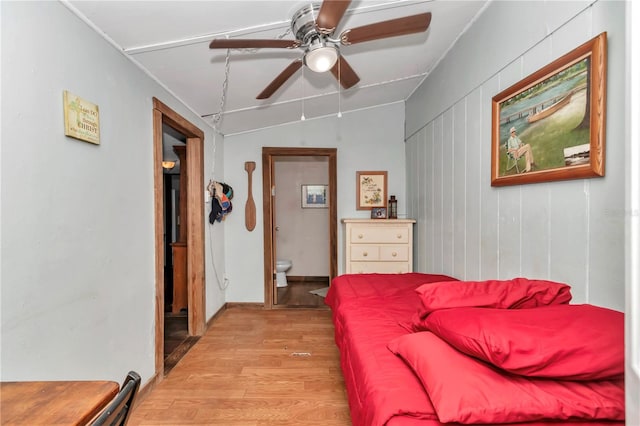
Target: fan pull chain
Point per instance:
(217, 117)
(302, 117)
(339, 85)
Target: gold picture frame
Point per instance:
(551, 125)
(371, 189)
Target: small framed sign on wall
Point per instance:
(81, 119)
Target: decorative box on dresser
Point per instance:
(378, 245)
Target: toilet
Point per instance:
(282, 266)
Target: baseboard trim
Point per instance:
(215, 316)
(305, 278)
(250, 305)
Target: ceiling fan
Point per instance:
(313, 26)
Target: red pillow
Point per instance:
(571, 342)
(518, 293)
(466, 390)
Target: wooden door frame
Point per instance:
(268, 214)
(162, 114)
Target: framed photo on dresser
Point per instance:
(379, 213)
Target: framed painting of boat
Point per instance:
(551, 125)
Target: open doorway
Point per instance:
(177, 340)
(181, 257)
(300, 225)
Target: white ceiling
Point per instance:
(170, 39)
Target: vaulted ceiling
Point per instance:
(170, 40)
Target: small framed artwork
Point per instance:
(379, 213)
(371, 190)
(315, 197)
(551, 125)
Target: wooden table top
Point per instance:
(54, 402)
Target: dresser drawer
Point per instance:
(379, 267)
(364, 252)
(394, 253)
(375, 234)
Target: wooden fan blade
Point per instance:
(280, 79)
(330, 14)
(344, 74)
(225, 43)
(391, 28)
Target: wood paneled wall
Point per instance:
(568, 231)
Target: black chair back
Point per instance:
(118, 410)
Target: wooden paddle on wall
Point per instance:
(250, 208)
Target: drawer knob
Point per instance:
(360, 236)
(399, 236)
(365, 254)
(394, 254)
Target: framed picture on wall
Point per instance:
(551, 125)
(315, 196)
(371, 190)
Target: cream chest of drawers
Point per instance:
(378, 245)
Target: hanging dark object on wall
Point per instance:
(221, 206)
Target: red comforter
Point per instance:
(367, 309)
(372, 311)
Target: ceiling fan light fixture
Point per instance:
(314, 26)
(320, 57)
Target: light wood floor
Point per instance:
(254, 367)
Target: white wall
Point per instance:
(370, 139)
(77, 273)
(571, 231)
(632, 317)
(302, 234)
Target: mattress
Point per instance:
(373, 316)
